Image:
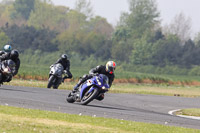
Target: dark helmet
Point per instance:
(14, 54)
(110, 66)
(64, 57)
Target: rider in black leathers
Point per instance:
(66, 65)
(108, 70)
(14, 56)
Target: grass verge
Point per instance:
(189, 112)
(172, 90)
(155, 89)
(18, 120)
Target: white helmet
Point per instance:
(110, 66)
(7, 48)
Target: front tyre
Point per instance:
(1, 78)
(89, 97)
(51, 79)
(70, 98)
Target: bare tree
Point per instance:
(180, 26)
(197, 38)
(84, 6)
(7, 2)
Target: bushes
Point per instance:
(195, 71)
(46, 59)
(38, 57)
(171, 70)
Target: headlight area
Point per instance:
(99, 83)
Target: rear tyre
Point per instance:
(51, 79)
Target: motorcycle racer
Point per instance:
(63, 60)
(107, 69)
(14, 56)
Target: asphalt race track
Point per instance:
(142, 108)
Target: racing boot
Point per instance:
(81, 80)
(100, 97)
(77, 86)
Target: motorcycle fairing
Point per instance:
(85, 86)
(56, 70)
(94, 83)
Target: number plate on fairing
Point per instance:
(89, 82)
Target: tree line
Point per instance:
(137, 39)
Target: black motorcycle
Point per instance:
(6, 70)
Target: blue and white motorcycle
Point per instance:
(91, 89)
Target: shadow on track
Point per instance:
(128, 109)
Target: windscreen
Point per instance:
(59, 66)
(105, 79)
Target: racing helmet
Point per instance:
(7, 48)
(64, 57)
(14, 54)
(110, 66)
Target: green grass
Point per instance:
(43, 71)
(189, 112)
(40, 70)
(18, 120)
(39, 84)
(164, 77)
(171, 90)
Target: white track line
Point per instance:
(184, 116)
(172, 111)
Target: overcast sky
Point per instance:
(111, 9)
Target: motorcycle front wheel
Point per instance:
(88, 97)
(1, 77)
(51, 79)
(70, 98)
